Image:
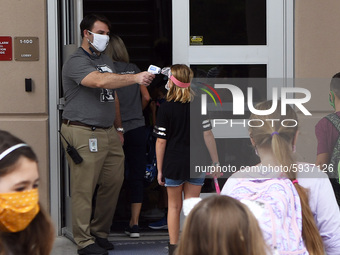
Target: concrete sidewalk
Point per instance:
(156, 241)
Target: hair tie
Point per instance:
(295, 181)
(274, 133)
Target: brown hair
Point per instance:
(7, 164)
(116, 50)
(38, 237)
(281, 145)
(221, 225)
(89, 20)
(184, 74)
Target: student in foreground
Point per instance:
(25, 228)
(221, 225)
(300, 192)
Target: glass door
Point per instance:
(253, 32)
(236, 39)
(247, 41)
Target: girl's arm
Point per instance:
(160, 150)
(118, 119)
(210, 142)
(145, 96)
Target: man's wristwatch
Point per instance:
(120, 129)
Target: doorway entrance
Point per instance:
(248, 38)
(145, 27)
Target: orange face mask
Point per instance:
(18, 209)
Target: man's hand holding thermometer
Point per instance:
(145, 78)
(154, 69)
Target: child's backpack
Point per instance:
(334, 166)
(277, 207)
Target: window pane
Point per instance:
(242, 76)
(233, 152)
(232, 22)
(230, 71)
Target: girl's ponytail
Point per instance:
(280, 138)
(310, 232)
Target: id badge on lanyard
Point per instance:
(93, 143)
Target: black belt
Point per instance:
(77, 123)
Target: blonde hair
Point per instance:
(116, 50)
(184, 74)
(221, 225)
(281, 144)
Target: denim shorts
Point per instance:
(176, 183)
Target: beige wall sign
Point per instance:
(26, 48)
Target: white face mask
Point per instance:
(99, 41)
(167, 85)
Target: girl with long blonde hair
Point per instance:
(274, 138)
(172, 130)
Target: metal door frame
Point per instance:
(54, 62)
(277, 54)
(53, 84)
(182, 53)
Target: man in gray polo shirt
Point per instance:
(91, 125)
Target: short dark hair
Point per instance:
(335, 84)
(89, 20)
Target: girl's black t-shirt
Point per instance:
(173, 124)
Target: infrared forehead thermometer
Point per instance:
(154, 69)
